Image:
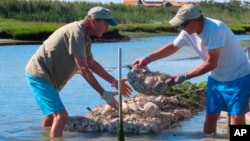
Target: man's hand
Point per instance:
(178, 79)
(141, 62)
(109, 98)
(170, 81)
(126, 90)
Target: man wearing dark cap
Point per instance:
(223, 57)
(66, 52)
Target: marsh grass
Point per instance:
(26, 30)
(22, 19)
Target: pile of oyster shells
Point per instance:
(141, 114)
(150, 111)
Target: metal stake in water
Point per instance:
(120, 129)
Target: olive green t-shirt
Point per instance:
(54, 61)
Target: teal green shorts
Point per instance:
(45, 94)
(231, 96)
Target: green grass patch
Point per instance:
(10, 28)
(237, 29)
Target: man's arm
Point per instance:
(99, 70)
(162, 52)
(83, 67)
(208, 65)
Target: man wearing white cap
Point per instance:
(223, 56)
(66, 52)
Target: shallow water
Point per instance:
(20, 117)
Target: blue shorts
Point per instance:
(231, 96)
(45, 94)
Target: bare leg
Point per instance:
(60, 119)
(238, 119)
(47, 121)
(210, 123)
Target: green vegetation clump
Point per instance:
(191, 96)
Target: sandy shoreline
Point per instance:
(17, 42)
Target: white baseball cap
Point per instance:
(188, 11)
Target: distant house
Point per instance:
(156, 3)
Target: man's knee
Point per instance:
(238, 119)
(62, 116)
(213, 117)
(210, 123)
(47, 121)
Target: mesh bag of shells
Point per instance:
(148, 82)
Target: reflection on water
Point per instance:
(20, 116)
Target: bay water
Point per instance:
(20, 117)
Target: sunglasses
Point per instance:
(183, 25)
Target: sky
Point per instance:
(121, 1)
